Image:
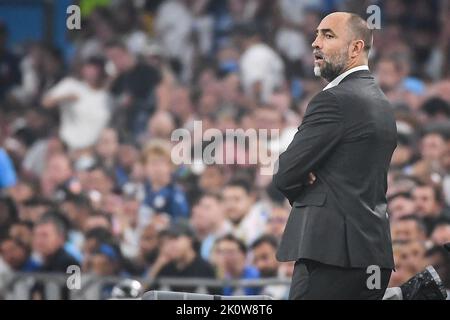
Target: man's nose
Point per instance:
(316, 44)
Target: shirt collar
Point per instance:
(339, 78)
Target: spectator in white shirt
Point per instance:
(261, 68)
(84, 105)
(173, 27)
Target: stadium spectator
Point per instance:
(76, 208)
(213, 179)
(22, 231)
(441, 233)
(162, 195)
(84, 103)
(400, 205)
(175, 33)
(148, 251)
(402, 272)
(133, 88)
(247, 217)
(48, 242)
(58, 173)
(208, 221)
(408, 228)
(17, 255)
(261, 67)
(107, 147)
(263, 254)
(429, 204)
(179, 257)
(232, 265)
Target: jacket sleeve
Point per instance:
(320, 131)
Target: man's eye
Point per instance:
(328, 36)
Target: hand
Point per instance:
(311, 178)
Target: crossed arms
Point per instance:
(319, 133)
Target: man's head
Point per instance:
(433, 146)
(400, 205)
(49, 234)
(76, 207)
(161, 125)
(441, 234)
(118, 53)
(213, 178)
(101, 179)
(428, 200)
(264, 250)
(413, 253)
(207, 214)
(389, 72)
(436, 109)
(231, 253)
(238, 199)
(93, 71)
(182, 241)
(58, 170)
(157, 162)
(408, 228)
(108, 144)
(267, 117)
(14, 252)
(343, 41)
(402, 272)
(23, 231)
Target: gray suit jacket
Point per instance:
(346, 139)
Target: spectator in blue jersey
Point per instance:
(162, 194)
(7, 172)
(231, 254)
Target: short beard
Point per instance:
(332, 67)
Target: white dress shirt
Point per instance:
(340, 77)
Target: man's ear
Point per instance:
(356, 47)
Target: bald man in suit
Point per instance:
(334, 173)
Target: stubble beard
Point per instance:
(332, 66)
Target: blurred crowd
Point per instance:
(86, 172)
